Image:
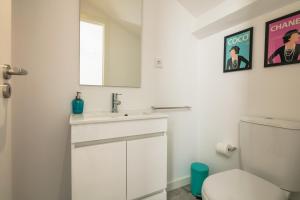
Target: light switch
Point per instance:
(158, 63)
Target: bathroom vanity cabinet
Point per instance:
(119, 157)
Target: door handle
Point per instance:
(9, 71)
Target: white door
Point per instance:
(99, 172)
(5, 134)
(146, 166)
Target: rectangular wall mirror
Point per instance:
(110, 42)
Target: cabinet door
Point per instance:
(146, 166)
(99, 172)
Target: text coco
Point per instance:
(239, 39)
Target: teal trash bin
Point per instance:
(199, 172)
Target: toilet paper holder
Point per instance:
(225, 149)
(231, 148)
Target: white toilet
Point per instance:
(270, 162)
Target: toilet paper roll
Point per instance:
(224, 149)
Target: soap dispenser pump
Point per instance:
(77, 104)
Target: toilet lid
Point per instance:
(240, 185)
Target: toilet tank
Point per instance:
(270, 149)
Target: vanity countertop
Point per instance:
(106, 117)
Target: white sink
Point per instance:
(103, 117)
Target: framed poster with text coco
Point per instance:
(238, 51)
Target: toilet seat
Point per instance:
(240, 185)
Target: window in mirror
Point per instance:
(91, 53)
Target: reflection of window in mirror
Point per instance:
(91, 53)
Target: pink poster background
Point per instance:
(275, 37)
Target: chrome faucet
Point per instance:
(115, 103)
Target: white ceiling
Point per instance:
(233, 12)
(198, 7)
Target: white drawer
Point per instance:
(111, 130)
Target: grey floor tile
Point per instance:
(181, 194)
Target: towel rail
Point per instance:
(171, 107)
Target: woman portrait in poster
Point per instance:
(235, 60)
(290, 50)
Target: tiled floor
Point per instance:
(181, 194)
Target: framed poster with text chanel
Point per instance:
(282, 45)
(238, 51)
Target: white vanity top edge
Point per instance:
(94, 119)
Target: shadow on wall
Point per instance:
(3, 123)
(66, 172)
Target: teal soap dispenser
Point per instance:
(77, 104)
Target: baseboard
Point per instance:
(178, 183)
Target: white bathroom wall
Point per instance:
(5, 104)
(274, 91)
(224, 98)
(46, 43)
(192, 74)
(175, 84)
